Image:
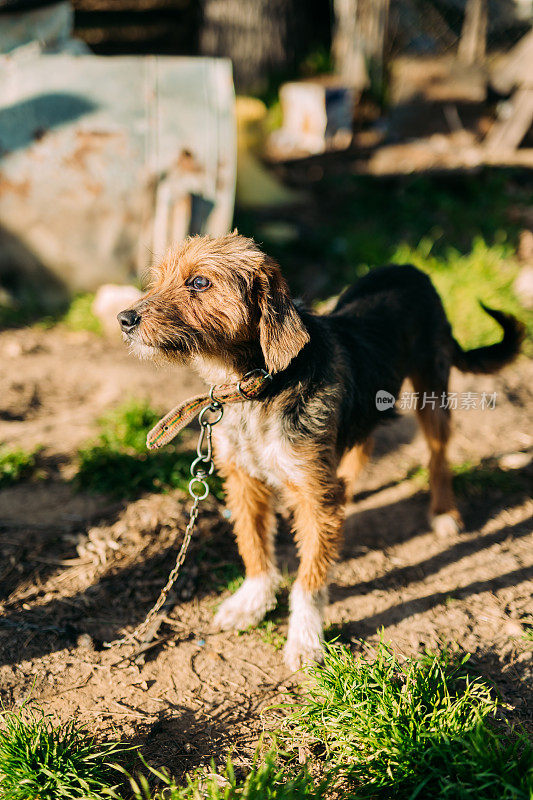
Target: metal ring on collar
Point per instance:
(216, 403)
(219, 408)
(242, 393)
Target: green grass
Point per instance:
(79, 315)
(457, 228)
(485, 273)
(76, 315)
(15, 465)
(475, 479)
(24, 307)
(43, 761)
(118, 462)
(470, 479)
(376, 727)
(15, 316)
(269, 627)
(267, 780)
(410, 728)
(226, 577)
(527, 635)
(268, 630)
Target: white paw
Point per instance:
(305, 636)
(250, 603)
(447, 524)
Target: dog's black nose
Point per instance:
(128, 320)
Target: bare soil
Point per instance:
(76, 569)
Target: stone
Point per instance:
(514, 460)
(109, 300)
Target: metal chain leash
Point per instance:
(202, 466)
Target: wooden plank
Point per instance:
(517, 67)
(507, 134)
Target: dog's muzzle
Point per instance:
(129, 320)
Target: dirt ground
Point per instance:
(75, 569)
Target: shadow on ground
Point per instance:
(125, 590)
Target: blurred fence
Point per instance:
(279, 35)
(436, 26)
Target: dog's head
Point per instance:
(214, 298)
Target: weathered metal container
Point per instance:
(104, 162)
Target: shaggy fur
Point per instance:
(223, 306)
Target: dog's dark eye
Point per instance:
(200, 284)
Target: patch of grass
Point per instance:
(15, 316)
(23, 304)
(76, 315)
(125, 427)
(418, 474)
(486, 273)
(119, 464)
(413, 728)
(268, 628)
(15, 465)
(527, 635)
(41, 760)
(265, 781)
(335, 632)
(269, 633)
(79, 315)
(227, 577)
(474, 479)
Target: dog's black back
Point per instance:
(388, 326)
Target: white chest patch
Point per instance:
(255, 442)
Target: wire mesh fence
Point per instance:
(441, 26)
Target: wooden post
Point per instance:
(359, 40)
(347, 47)
(473, 42)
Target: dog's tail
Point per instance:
(495, 356)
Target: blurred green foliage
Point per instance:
(79, 315)
(15, 465)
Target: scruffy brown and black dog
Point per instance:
(222, 305)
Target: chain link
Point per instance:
(201, 468)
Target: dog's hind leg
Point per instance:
(318, 514)
(250, 503)
(435, 423)
(352, 464)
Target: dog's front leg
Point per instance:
(250, 503)
(318, 513)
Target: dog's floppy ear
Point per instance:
(281, 331)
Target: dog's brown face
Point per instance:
(216, 298)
